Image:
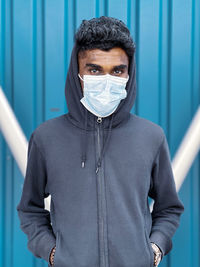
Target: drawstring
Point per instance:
(83, 158)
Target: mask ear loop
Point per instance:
(80, 77)
(83, 81)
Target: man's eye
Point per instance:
(93, 71)
(118, 71)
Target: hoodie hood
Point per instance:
(84, 119)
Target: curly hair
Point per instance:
(104, 33)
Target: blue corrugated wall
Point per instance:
(36, 39)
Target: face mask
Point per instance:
(103, 93)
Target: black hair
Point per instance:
(104, 33)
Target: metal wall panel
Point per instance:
(36, 38)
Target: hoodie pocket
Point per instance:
(150, 248)
(57, 248)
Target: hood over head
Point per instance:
(84, 119)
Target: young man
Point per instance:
(100, 163)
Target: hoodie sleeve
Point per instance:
(34, 219)
(167, 207)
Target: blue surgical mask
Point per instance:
(103, 93)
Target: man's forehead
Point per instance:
(97, 56)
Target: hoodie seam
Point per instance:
(155, 158)
(159, 148)
(76, 126)
(42, 156)
(122, 124)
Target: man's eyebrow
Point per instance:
(93, 65)
(122, 66)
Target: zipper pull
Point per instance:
(97, 169)
(98, 166)
(99, 119)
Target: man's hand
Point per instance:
(51, 257)
(157, 254)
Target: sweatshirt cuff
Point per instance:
(45, 246)
(163, 242)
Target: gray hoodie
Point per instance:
(99, 175)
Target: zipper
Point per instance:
(103, 245)
(99, 120)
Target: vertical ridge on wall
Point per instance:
(2, 142)
(34, 60)
(54, 58)
(195, 55)
(137, 40)
(133, 25)
(106, 7)
(10, 187)
(97, 8)
(195, 100)
(66, 37)
(39, 78)
(169, 47)
(74, 14)
(192, 108)
(160, 52)
(2, 47)
(66, 56)
(148, 47)
(43, 58)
